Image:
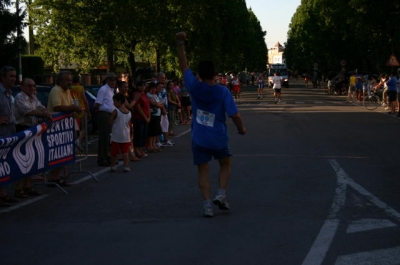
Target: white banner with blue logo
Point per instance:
(40, 148)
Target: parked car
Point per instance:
(43, 92)
(143, 74)
(93, 89)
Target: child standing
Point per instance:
(236, 87)
(120, 132)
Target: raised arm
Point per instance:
(180, 43)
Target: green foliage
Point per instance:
(98, 32)
(9, 43)
(362, 32)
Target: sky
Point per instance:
(274, 17)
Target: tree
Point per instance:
(361, 32)
(258, 49)
(10, 23)
(96, 32)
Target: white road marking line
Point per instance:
(324, 239)
(389, 256)
(318, 102)
(24, 203)
(35, 199)
(369, 196)
(374, 200)
(78, 181)
(97, 173)
(299, 102)
(183, 133)
(322, 243)
(368, 224)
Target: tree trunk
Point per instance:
(158, 63)
(110, 59)
(132, 62)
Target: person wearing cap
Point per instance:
(104, 106)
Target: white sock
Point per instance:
(207, 203)
(221, 192)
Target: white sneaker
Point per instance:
(158, 144)
(208, 211)
(113, 168)
(168, 143)
(221, 201)
(384, 104)
(127, 169)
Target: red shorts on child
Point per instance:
(117, 148)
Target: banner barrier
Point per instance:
(40, 148)
(82, 153)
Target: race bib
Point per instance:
(205, 118)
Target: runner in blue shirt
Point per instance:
(392, 92)
(210, 105)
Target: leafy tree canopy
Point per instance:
(97, 32)
(9, 43)
(363, 33)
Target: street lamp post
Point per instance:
(19, 44)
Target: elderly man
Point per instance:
(60, 100)
(104, 104)
(27, 110)
(8, 75)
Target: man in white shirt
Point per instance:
(105, 106)
(277, 84)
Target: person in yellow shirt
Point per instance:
(78, 93)
(352, 89)
(60, 100)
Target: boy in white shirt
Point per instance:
(120, 132)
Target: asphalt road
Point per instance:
(314, 182)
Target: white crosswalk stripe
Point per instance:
(384, 256)
(322, 244)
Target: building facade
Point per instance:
(275, 54)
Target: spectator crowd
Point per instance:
(134, 119)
